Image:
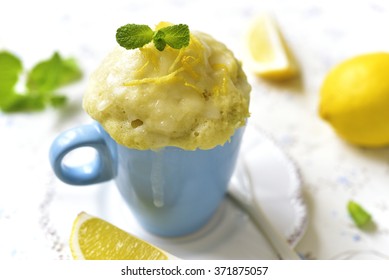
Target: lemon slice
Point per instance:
(95, 239)
(266, 52)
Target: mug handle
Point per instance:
(99, 170)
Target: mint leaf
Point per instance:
(359, 215)
(71, 72)
(58, 100)
(10, 69)
(159, 40)
(176, 36)
(53, 73)
(133, 36)
(25, 103)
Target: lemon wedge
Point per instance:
(93, 238)
(266, 52)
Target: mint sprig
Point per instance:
(133, 36)
(42, 82)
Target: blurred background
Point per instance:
(320, 34)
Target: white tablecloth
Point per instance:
(320, 35)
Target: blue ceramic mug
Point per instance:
(171, 192)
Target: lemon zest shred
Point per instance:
(200, 47)
(196, 43)
(156, 80)
(220, 66)
(195, 88)
(148, 55)
(222, 89)
(178, 59)
(141, 69)
(188, 62)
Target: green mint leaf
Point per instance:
(53, 73)
(58, 100)
(25, 103)
(159, 40)
(7, 100)
(71, 72)
(44, 76)
(176, 36)
(359, 215)
(10, 69)
(133, 36)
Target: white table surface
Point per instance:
(320, 35)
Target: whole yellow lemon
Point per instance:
(354, 99)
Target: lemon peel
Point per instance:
(195, 88)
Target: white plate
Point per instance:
(229, 235)
(275, 183)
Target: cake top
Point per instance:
(192, 97)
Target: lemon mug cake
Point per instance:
(169, 122)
